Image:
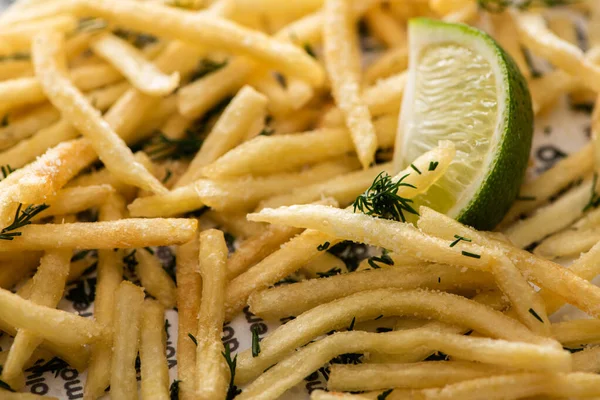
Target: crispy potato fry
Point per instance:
(15, 69)
(517, 386)
(24, 125)
(235, 224)
(56, 326)
(534, 34)
(129, 301)
(155, 280)
(189, 287)
(340, 45)
(296, 298)
(125, 233)
(386, 95)
(285, 152)
(132, 64)
(18, 38)
(235, 195)
(295, 368)
(75, 200)
(549, 183)
(551, 218)
(256, 248)
(505, 33)
(370, 304)
(110, 273)
(443, 7)
(544, 273)
(393, 61)
(154, 368)
(408, 376)
(385, 28)
(245, 109)
(47, 289)
(18, 267)
(279, 103)
(48, 55)
(587, 360)
(563, 27)
(577, 332)
(569, 243)
(212, 374)
(205, 30)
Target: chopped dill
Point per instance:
(255, 342)
(324, 246)
(193, 338)
(458, 239)
(415, 168)
(22, 218)
(382, 199)
(231, 363)
(472, 255)
(535, 315)
(331, 272)
(384, 259)
(433, 165)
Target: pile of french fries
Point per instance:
(128, 126)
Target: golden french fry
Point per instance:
(393, 61)
(551, 218)
(128, 60)
(27, 124)
(154, 279)
(577, 332)
(189, 287)
(235, 224)
(409, 376)
(110, 275)
(212, 374)
(75, 200)
(232, 127)
(235, 195)
(18, 267)
(569, 243)
(549, 183)
(18, 38)
(56, 326)
(296, 298)
(518, 385)
(563, 26)
(534, 34)
(443, 7)
(343, 67)
(210, 30)
(587, 360)
(322, 395)
(125, 233)
(505, 33)
(386, 95)
(154, 368)
(129, 301)
(385, 28)
(48, 54)
(295, 368)
(369, 305)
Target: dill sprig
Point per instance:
(382, 199)
(231, 363)
(497, 6)
(255, 342)
(535, 315)
(433, 165)
(384, 259)
(413, 166)
(324, 246)
(22, 218)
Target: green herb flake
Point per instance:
(433, 165)
(324, 246)
(174, 390)
(535, 315)
(193, 338)
(382, 199)
(458, 239)
(231, 363)
(472, 255)
(415, 168)
(255, 342)
(331, 272)
(385, 394)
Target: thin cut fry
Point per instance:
(75, 200)
(235, 224)
(343, 67)
(569, 243)
(370, 304)
(129, 300)
(128, 60)
(505, 33)
(110, 273)
(577, 332)
(393, 61)
(296, 298)
(212, 374)
(154, 368)
(232, 127)
(154, 279)
(587, 360)
(385, 28)
(125, 233)
(48, 54)
(17, 38)
(294, 369)
(422, 375)
(189, 288)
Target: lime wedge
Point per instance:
(464, 88)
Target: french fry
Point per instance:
(47, 289)
(325, 264)
(343, 67)
(155, 279)
(20, 265)
(125, 233)
(257, 247)
(132, 64)
(519, 385)
(576, 332)
(212, 374)
(386, 95)
(295, 368)
(300, 121)
(286, 152)
(385, 28)
(544, 273)
(568, 243)
(549, 183)
(15, 69)
(154, 368)
(48, 54)
(563, 27)
(296, 298)
(26, 124)
(23, 396)
(212, 31)
(551, 218)
(279, 103)
(129, 301)
(110, 275)
(372, 303)
(56, 326)
(17, 38)
(75, 200)
(235, 195)
(393, 61)
(235, 223)
(189, 286)
(322, 395)
(406, 376)
(506, 34)
(587, 360)
(534, 34)
(246, 107)
(443, 7)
